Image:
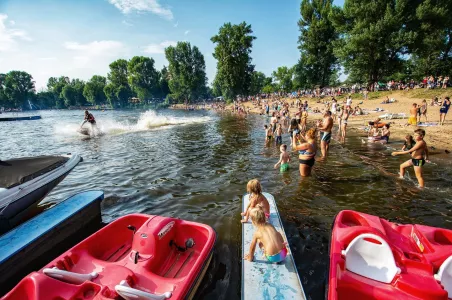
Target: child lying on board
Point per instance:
(270, 240)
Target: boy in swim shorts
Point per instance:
(284, 159)
(419, 155)
(270, 240)
(268, 133)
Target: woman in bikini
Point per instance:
(307, 148)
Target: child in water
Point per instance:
(254, 188)
(409, 143)
(268, 133)
(419, 155)
(284, 159)
(278, 133)
(270, 240)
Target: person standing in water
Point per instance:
(344, 121)
(306, 150)
(325, 128)
(419, 155)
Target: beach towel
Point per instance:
(426, 124)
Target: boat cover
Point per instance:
(18, 171)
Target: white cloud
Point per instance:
(12, 23)
(96, 48)
(48, 58)
(9, 37)
(126, 23)
(186, 32)
(176, 24)
(127, 6)
(158, 48)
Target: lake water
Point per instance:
(195, 165)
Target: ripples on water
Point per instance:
(195, 166)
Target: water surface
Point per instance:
(195, 166)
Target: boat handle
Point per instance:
(70, 277)
(128, 293)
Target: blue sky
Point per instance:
(80, 38)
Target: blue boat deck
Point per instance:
(25, 234)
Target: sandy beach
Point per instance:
(437, 136)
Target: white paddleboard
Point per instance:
(262, 279)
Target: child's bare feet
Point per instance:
(244, 220)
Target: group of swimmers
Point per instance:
(304, 140)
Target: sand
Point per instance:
(437, 136)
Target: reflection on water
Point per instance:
(195, 166)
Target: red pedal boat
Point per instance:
(138, 257)
(371, 258)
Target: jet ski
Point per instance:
(24, 182)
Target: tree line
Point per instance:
(369, 40)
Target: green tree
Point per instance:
(317, 35)
(233, 54)
(18, 88)
(268, 89)
(55, 86)
(118, 90)
(258, 81)
(187, 72)
(45, 99)
(79, 86)
(94, 90)
(432, 51)
(164, 89)
(69, 94)
(143, 77)
(283, 77)
(374, 37)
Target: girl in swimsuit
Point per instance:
(307, 148)
(254, 188)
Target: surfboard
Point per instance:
(262, 279)
(84, 131)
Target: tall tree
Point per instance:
(143, 77)
(187, 71)
(283, 77)
(94, 90)
(258, 81)
(433, 48)
(233, 52)
(55, 86)
(18, 87)
(164, 89)
(79, 86)
(317, 35)
(69, 94)
(118, 90)
(45, 99)
(374, 37)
